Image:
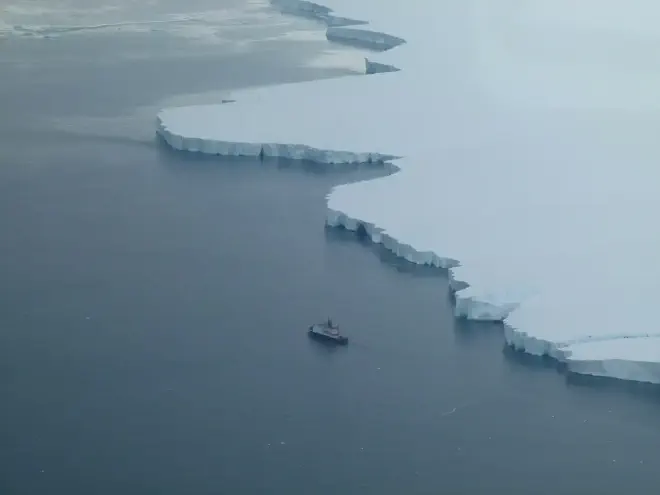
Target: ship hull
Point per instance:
(339, 340)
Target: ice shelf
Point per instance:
(528, 168)
(341, 30)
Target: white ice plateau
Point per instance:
(528, 141)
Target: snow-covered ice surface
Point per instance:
(528, 159)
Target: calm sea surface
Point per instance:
(153, 308)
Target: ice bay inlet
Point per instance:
(525, 138)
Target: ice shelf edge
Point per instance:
(470, 308)
(264, 150)
(338, 31)
(315, 11)
(465, 307)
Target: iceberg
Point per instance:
(536, 188)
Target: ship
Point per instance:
(327, 331)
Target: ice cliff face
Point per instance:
(185, 139)
(338, 32)
(540, 212)
(314, 11)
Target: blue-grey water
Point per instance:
(153, 308)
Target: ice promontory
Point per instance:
(528, 162)
(189, 129)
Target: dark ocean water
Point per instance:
(153, 308)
